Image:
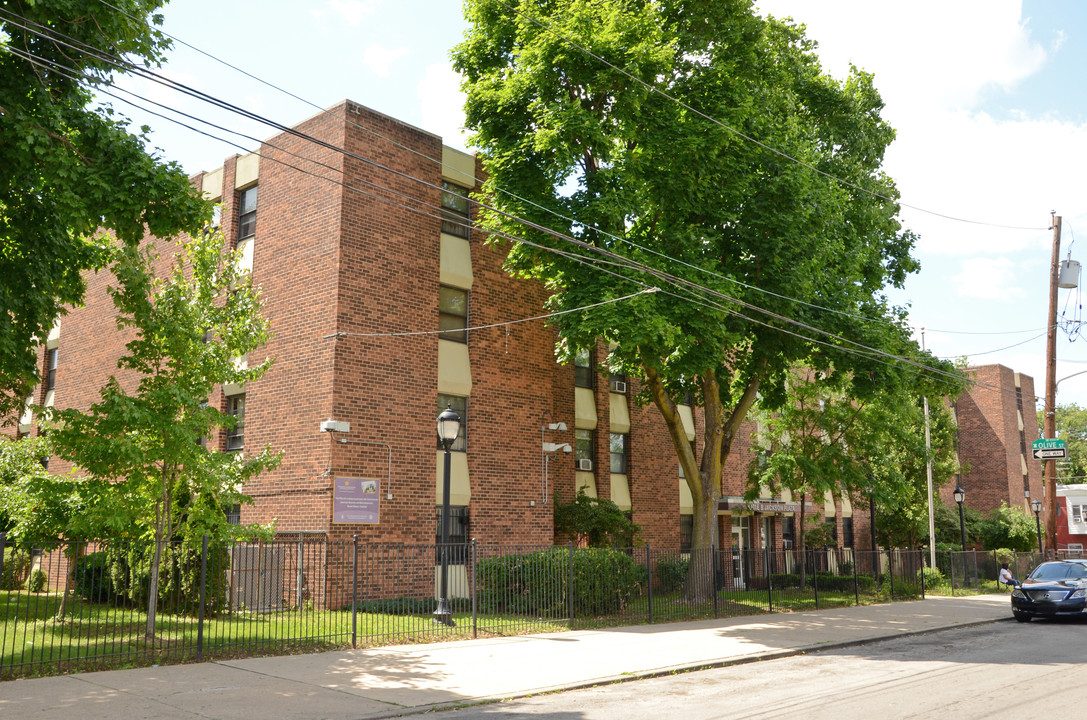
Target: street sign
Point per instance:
(1050, 453)
(1049, 444)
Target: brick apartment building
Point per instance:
(360, 266)
(997, 424)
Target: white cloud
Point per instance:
(353, 12)
(442, 104)
(988, 278)
(380, 59)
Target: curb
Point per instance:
(676, 669)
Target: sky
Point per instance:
(985, 96)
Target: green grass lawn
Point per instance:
(98, 636)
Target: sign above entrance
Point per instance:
(762, 505)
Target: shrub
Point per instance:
(179, 576)
(538, 583)
(16, 568)
(37, 581)
(397, 606)
(932, 577)
(92, 578)
(672, 573)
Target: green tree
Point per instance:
(593, 521)
(191, 329)
(1072, 428)
(1009, 527)
(640, 178)
(70, 171)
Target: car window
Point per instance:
(1058, 571)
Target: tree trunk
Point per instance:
(801, 545)
(75, 551)
(153, 586)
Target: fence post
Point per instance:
(856, 580)
(354, 590)
(475, 593)
(769, 580)
(814, 576)
(203, 597)
(3, 540)
(649, 581)
(891, 570)
(713, 575)
(922, 563)
(570, 583)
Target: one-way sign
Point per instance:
(1051, 453)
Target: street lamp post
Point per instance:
(448, 429)
(1036, 506)
(960, 496)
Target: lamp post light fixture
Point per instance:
(960, 496)
(448, 429)
(1036, 506)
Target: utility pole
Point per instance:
(1051, 392)
(928, 474)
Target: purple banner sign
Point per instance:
(356, 500)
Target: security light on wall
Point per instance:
(331, 425)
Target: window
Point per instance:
(233, 514)
(247, 213)
(583, 368)
(460, 407)
(831, 527)
(788, 533)
(1079, 513)
(458, 533)
(686, 532)
(618, 382)
(453, 314)
(620, 453)
(455, 219)
(584, 440)
(235, 436)
(50, 369)
(847, 532)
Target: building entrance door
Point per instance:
(741, 541)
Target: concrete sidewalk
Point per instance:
(391, 681)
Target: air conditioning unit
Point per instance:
(585, 464)
(618, 386)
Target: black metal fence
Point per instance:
(66, 606)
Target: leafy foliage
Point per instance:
(143, 446)
(71, 171)
(593, 521)
(588, 151)
(1009, 527)
(1072, 428)
(603, 581)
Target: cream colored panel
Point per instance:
(53, 339)
(1018, 382)
(847, 506)
(620, 414)
(460, 491)
(786, 495)
(213, 185)
(26, 422)
(1023, 462)
(587, 481)
(828, 504)
(584, 409)
(456, 581)
(620, 491)
(686, 500)
(456, 262)
(458, 167)
(245, 173)
(454, 369)
(245, 262)
(764, 492)
(49, 398)
(687, 417)
(233, 388)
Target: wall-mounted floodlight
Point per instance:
(331, 425)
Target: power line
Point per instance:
(618, 260)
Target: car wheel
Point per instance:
(1022, 616)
